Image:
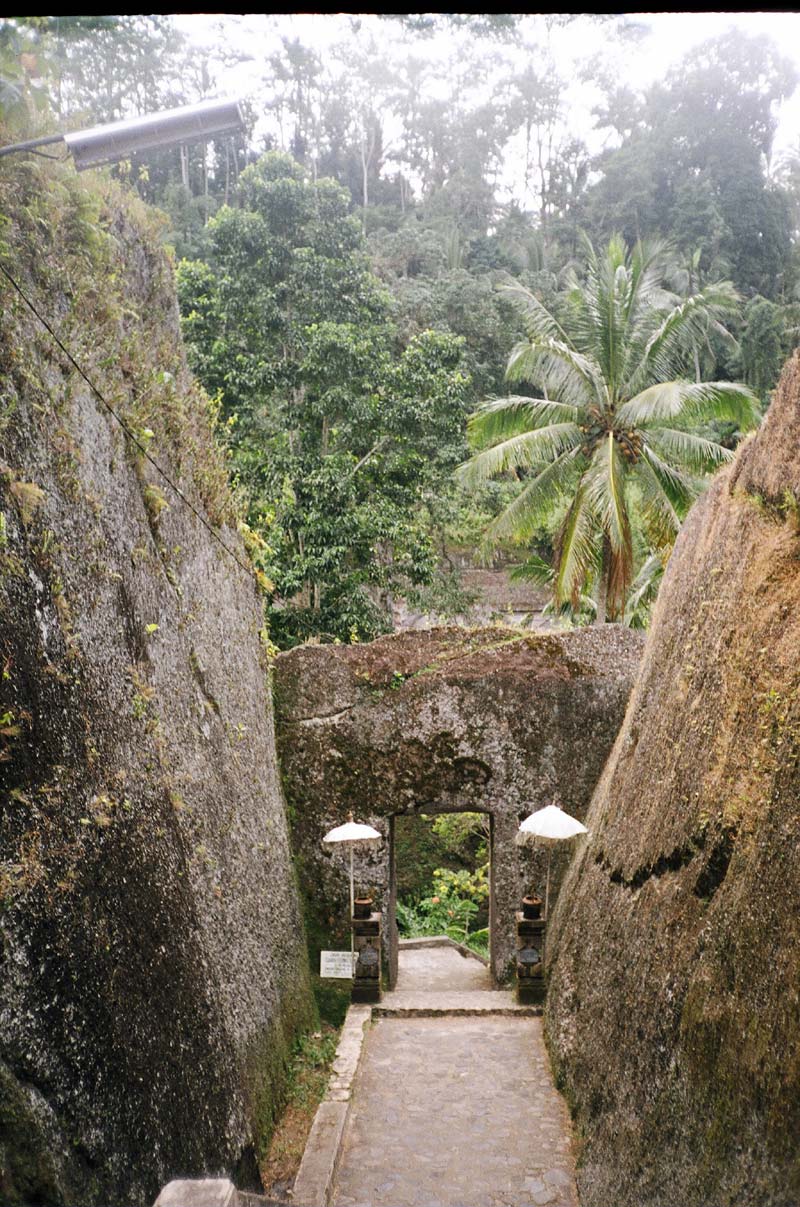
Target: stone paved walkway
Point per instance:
(455, 1111)
(440, 978)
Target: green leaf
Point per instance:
(687, 449)
(529, 450)
(691, 402)
(511, 416)
(680, 488)
(534, 570)
(576, 548)
(605, 481)
(535, 501)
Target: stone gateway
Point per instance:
(490, 720)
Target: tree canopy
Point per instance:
(339, 263)
(337, 435)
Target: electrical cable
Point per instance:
(131, 435)
(44, 155)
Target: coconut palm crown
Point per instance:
(612, 435)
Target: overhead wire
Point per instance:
(128, 431)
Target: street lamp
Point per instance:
(119, 140)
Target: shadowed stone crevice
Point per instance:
(716, 869)
(718, 856)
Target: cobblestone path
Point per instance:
(455, 1112)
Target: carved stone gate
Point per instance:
(437, 721)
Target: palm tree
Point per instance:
(611, 436)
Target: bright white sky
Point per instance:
(670, 36)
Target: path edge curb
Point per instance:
(313, 1185)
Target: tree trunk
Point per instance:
(364, 184)
(602, 589)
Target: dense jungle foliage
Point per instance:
(442, 867)
(357, 275)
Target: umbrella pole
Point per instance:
(547, 886)
(352, 905)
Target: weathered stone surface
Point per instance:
(439, 721)
(202, 1192)
(152, 966)
(674, 1007)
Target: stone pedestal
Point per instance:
(367, 942)
(201, 1192)
(531, 987)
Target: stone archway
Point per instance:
(444, 720)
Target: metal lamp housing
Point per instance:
(120, 140)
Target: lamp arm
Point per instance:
(48, 140)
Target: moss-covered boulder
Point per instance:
(152, 964)
(674, 1008)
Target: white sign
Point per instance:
(337, 964)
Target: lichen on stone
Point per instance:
(673, 1015)
(153, 972)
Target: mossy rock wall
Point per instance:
(152, 963)
(493, 720)
(673, 1015)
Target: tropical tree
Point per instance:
(611, 437)
(340, 439)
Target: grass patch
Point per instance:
(332, 999)
(309, 1071)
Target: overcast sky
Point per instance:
(668, 38)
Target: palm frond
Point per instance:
(691, 403)
(606, 481)
(598, 300)
(606, 486)
(499, 418)
(571, 376)
(535, 501)
(576, 548)
(644, 590)
(687, 449)
(649, 263)
(534, 570)
(660, 518)
(539, 322)
(679, 487)
(526, 451)
(688, 318)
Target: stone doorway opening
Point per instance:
(422, 840)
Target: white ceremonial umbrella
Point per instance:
(352, 832)
(549, 825)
